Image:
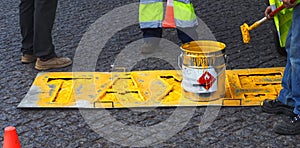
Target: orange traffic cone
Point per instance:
(11, 139)
(169, 21)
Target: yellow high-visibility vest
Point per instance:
(282, 19)
(151, 13)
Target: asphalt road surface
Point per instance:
(224, 127)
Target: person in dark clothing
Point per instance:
(36, 23)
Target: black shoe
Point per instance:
(276, 107)
(148, 48)
(290, 126)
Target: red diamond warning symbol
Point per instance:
(206, 80)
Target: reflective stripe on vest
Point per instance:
(283, 20)
(151, 13)
(184, 14)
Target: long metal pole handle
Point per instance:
(273, 13)
(180, 61)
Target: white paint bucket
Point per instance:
(203, 70)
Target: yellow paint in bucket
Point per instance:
(203, 70)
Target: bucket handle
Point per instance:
(180, 61)
(193, 56)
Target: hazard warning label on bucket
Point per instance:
(206, 80)
(199, 80)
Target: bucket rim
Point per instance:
(194, 45)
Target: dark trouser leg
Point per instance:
(26, 9)
(285, 94)
(295, 58)
(187, 34)
(152, 35)
(44, 17)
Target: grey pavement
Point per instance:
(232, 127)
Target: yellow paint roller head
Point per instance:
(245, 33)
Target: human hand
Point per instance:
(267, 12)
(288, 4)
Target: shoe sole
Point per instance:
(279, 110)
(27, 61)
(52, 67)
(284, 132)
(279, 129)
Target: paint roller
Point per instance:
(245, 29)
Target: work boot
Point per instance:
(290, 126)
(52, 63)
(28, 58)
(148, 48)
(276, 107)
